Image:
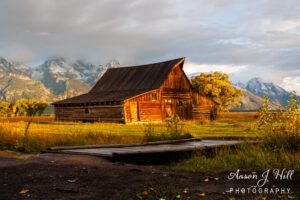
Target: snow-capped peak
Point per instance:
(274, 92)
(14, 67)
(113, 64)
(63, 69)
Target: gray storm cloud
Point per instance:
(263, 35)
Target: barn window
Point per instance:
(86, 110)
(153, 96)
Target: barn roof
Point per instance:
(141, 77)
(121, 83)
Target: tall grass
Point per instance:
(39, 119)
(238, 115)
(45, 132)
(280, 146)
(246, 157)
(14, 138)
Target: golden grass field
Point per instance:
(45, 132)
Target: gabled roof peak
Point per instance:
(149, 64)
(149, 76)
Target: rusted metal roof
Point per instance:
(118, 84)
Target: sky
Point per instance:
(257, 38)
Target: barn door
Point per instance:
(184, 109)
(134, 111)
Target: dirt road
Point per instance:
(54, 176)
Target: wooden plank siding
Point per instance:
(101, 113)
(202, 112)
(176, 93)
(203, 107)
(147, 108)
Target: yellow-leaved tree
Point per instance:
(31, 108)
(28, 107)
(218, 87)
(24, 107)
(5, 109)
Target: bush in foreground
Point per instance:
(174, 130)
(280, 129)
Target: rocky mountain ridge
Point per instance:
(57, 78)
(277, 94)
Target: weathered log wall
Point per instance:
(203, 107)
(101, 113)
(202, 112)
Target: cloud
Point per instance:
(262, 35)
(20, 55)
(243, 42)
(190, 68)
(291, 83)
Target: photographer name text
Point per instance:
(261, 181)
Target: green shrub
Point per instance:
(281, 129)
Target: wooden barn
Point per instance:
(151, 92)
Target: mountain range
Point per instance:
(256, 89)
(58, 78)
